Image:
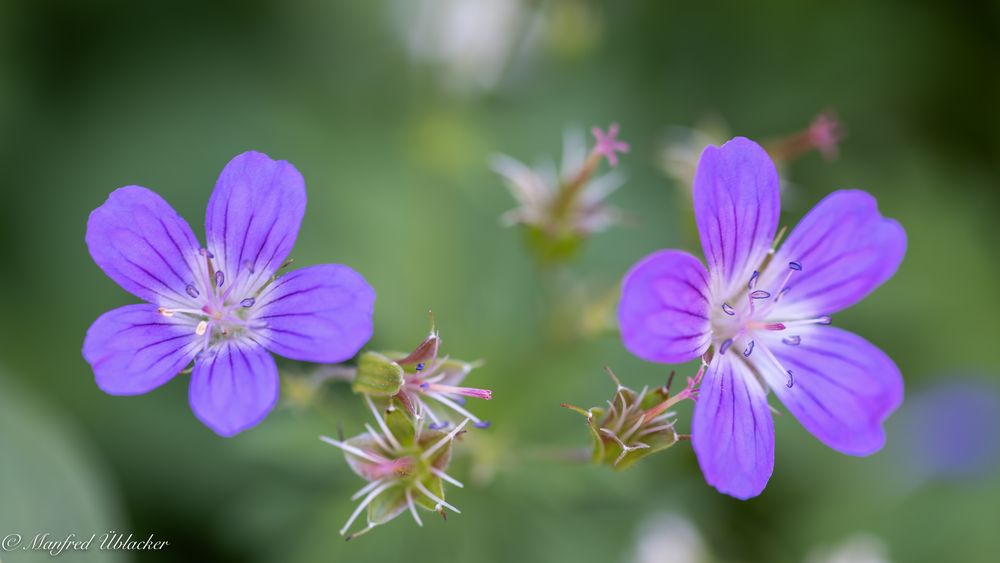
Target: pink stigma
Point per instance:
(825, 133)
(608, 144)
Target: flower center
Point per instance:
(219, 310)
(738, 324)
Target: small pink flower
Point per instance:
(825, 134)
(608, 143)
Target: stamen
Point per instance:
(728, 309)
(482, 424)
(437, 425)
(220, 278)
(368, 499)
(781, 294)
(774, 326)
(791, 379)
(165, 312)
(453, 406)
(725, 346)
(378, 439)
(440, 443)
(381, 424)
(753, 279)
(792, 340)
(447, 477)
(749, 350)
(824, 320)
(353, 450)
(434, 497)
(795, 266)
(759, 294)
(248, 302)
(192, 291)
(204, 252)
(366, 489)
(201, 328)
(420, 366)
(413, 508)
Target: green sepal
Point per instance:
(387, 505)
(596, 414)
(657, 442)
(377, 376)
(441, 457)
(434, 485)
(400, 423)
(552, 248)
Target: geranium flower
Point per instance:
(765, 315)
(221, 306)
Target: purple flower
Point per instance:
(222, 307)
(764, 313)
(949, 429)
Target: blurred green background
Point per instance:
(391, 111)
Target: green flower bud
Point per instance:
(377, 375)
(634, 425)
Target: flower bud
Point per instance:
(377, 375)
(634, 425)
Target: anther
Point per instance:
(165, 312)
(482, 424)
(728, 309)
(759, 294)
(220, 278)
(192, 291)
(781, 294)
(420, 366)
(795, 266)
(201, 328)
(749, 350)
(774, 326)
(725, 346)
(753, 280)
(204, 252)
(438, 425)
(792, 340)
(824, 320)
(791, 379)
(248, 302)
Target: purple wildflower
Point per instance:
(764, 312)
(949, 430)
(222, 307)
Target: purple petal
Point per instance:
(317, 314)
(235, 388)
(731, 431)
(134, 349)
(736, 205)
(141, 243)
(844, 387)
(846, 249)
(664, 308)
(254, 215)
(949, 429)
